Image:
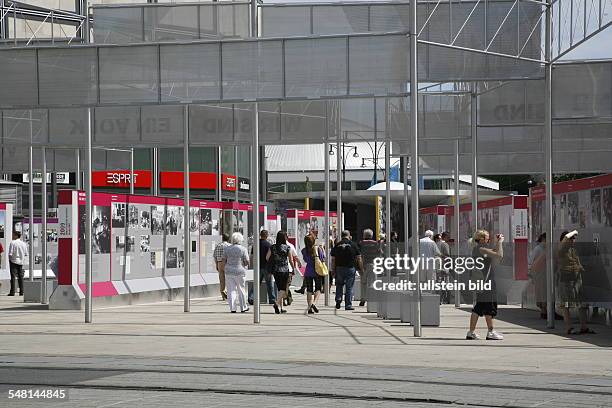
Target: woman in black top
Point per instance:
(279, 259)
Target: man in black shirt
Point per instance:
(264, 246)
(345, 257)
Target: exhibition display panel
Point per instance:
(137, 244)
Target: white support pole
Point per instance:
(132, 182)
(219, 190)
(77, 182)
(31, 210)
(327, 221)
(43, 233)
(550, 289)
(186, 233)
(155, 170)
(474, 134)
(255, 199)
(88, 222)
(414, 162)
(456, 216)
(387, 203)
(236, 197)
(340, 221)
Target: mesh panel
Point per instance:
(252, 69)
(21, 126)
(316, 67)
(117, 126)
(368, 75)
(285, 21)
(67, 76)
(128, 74)
(162, 125)
(171, 23)
(211, 124)
(340, 19)
(65, 160)
(437, 63)
(243, 122)
(190, 72)
(15, 159)
(303, 122)
(18, 77)
(68, 127)
(513, 103)
(389, 18)
(580, 146)
(234, 20)
(269, 122)
(582, 90)
(118, 26)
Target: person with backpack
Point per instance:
(313, 282)
(346, 256)
(279, 262)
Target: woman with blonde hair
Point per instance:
(234, 265)
(486, 301)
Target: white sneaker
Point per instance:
(472, 336)
(493, 335)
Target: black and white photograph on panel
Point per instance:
(145, 219)
(596, 206)
(81, 229)
(101, 234)
(119, 212)
(145, 243)
(134, 222)
(239, 221)
(130, 243)
(181, 259)
(157, 220)
(607, 207)
(572, 208)
(194, 219)
(206, 226)
(171, 258)
(173, 220)
(119, 243)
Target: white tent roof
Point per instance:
(395, 186)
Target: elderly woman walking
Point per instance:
(235, 263)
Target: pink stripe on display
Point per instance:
(101, 289)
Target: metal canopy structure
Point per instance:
(238, 73)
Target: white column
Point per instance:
(326, 234)
(414, 162)
(474, 134)
(550, 289)
(255, 199)
(339, 157)
(186, 233)
(88, 222)
(132, 183)
(155, 171)
(456, 216)
(31, 210)
(43, 233)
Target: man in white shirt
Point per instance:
(18, 252)
(429, 250)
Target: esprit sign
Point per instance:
(121, 179)
(228, 182)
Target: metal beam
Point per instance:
(456, 217)
(31, 207)
(326, 234)
(43, 233)
(88, 221)
(548, 222)
(186, 232)
(255, 199)
(414, 162)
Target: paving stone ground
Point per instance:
(157, 356)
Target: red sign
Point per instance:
(197, 180)
(121, 178)
(228, 182)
